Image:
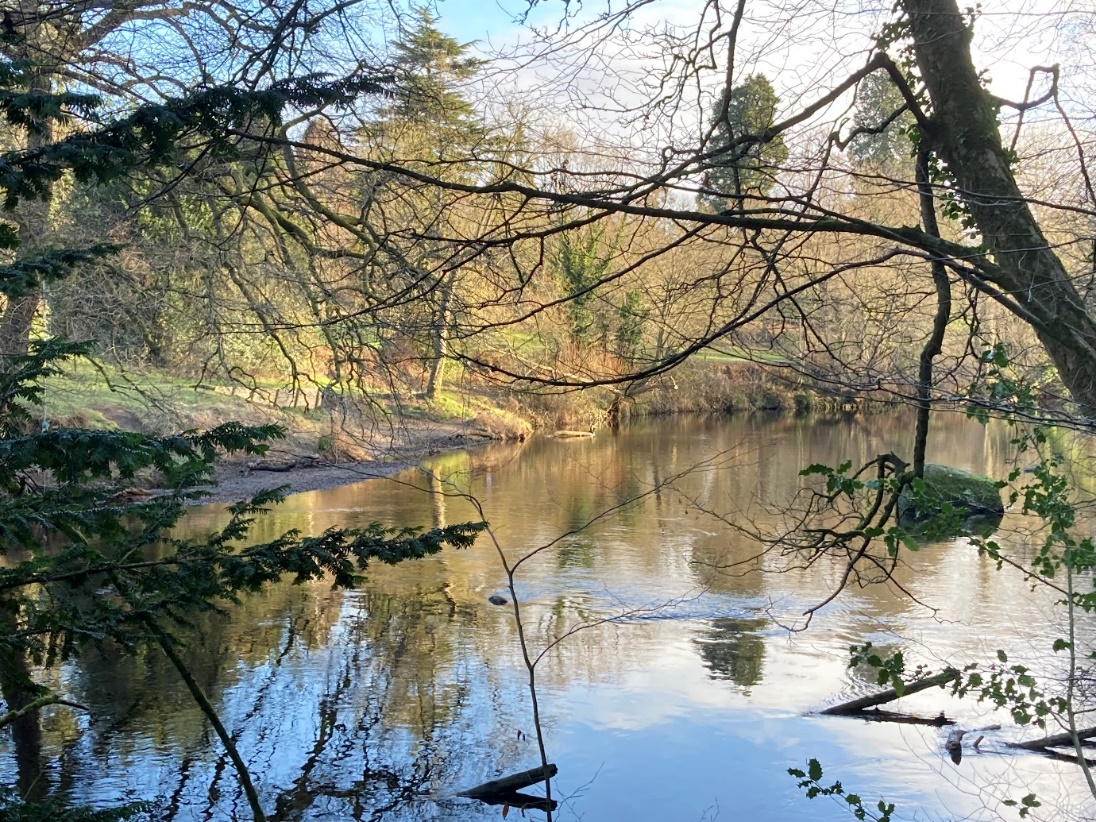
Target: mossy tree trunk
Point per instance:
(966, 135)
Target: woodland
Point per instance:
(345, 215)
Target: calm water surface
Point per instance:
(382, 703)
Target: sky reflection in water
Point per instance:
(382, 703)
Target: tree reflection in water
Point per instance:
(733, 648)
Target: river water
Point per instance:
(383, 702)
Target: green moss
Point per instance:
(965, 493)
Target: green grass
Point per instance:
(733, 354)
(87, 396)
(106, 397)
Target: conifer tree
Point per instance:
(90, 558)
(746, 160)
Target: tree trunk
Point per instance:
(934, 345)
(967, 137)
(512, 783)
(440, 339)
(863, 703)
(32, 219)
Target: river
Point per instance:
(383, 702)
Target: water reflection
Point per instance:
(733, 649)
(383, 703)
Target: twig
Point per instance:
(40, 702)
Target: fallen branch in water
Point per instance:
(1062, 740)
(857, 706)
(876, 715)
(511, 784)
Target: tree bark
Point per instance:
(966, 136)
(440, 339)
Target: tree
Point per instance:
(744, 160)
(432, 123)
(581, 263)
(147, 51)
(879, 126)
(430, 67)
(100, 565)
(964, 130)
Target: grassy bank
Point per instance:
(343, 427)
(335, 427)
(339, 438)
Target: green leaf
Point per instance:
(814, 770)
(1030, 801)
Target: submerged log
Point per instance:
(877, 715)
(955, 740)
(954, 745)
(1063, 740)
(1064, 757)
(521, 801)
(511, 784)
(572, 435)
(860, 705)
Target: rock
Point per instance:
(495, 599)
(970, 494)
(954, 740)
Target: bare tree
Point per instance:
(146, 51)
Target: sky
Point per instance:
(796, 44)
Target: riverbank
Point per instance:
(237, 481)
(339, 440)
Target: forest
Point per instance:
(256, 244)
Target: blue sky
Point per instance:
(469, 20)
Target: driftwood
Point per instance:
(572, 435)
(858, 706)
(510, 784)
(277, 467)
(1063, 740)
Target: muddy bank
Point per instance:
(235, 485)
(238, 481)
